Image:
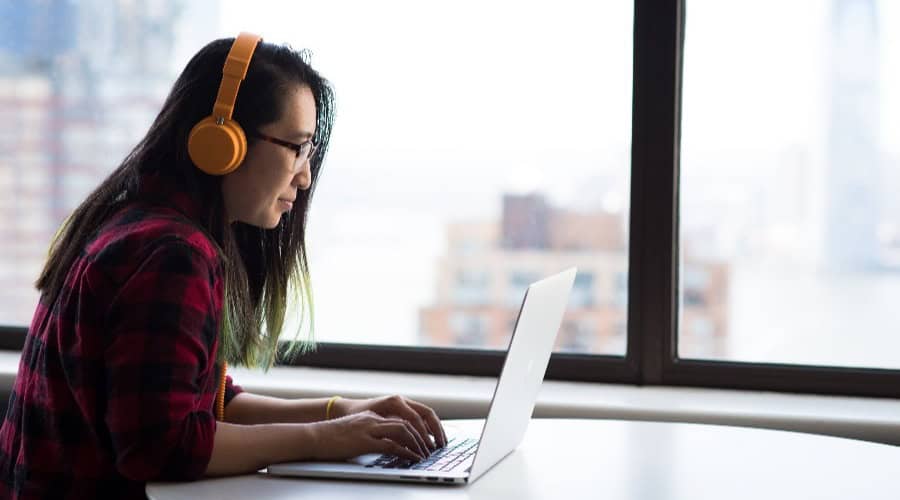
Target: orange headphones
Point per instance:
(217, 143)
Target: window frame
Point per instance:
(651, 356)
(654, 242)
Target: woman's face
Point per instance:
(265, 185)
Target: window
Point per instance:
(582, 291)
(518, 283)
(724, 180)
(578, 335)
(472, 287)
(486, 172)
(789, 218)
(469, 330)
(507, 160)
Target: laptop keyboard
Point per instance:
(457, 453)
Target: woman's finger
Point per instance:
(408, 413)
(432, 420)
(399, 431)
(420, 440)
(390, 447)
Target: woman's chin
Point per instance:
(270, 222)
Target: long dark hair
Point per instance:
(269, 263)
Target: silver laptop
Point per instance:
(466, 458)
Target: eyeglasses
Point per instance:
(302, 151)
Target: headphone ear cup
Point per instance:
(217, 149)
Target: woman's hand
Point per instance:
(367, 432)
(422, 418)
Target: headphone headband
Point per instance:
(217, 144)
(234, 71)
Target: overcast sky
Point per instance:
(497, 73)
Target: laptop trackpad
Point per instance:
(364, 459)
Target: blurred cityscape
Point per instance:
(488, 266)
(80, 82)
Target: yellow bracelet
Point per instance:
(329, 405)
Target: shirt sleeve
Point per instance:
(162, 323)
(231, 390)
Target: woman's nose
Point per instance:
(302, 179)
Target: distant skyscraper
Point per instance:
(525, 222)
(852, 178)
(33, 33)
(80, 82)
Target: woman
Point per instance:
(165, 273)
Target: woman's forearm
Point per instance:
(242, 449)
(252, 409)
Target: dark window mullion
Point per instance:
(403, 358)
(474, 362)
(870, 382)
(455, 361)
(12, 338)
(652, 313)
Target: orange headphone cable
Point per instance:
(220, 395)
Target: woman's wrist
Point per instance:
(312, 433)
(342, 407)
(330, 407)
(271, 443)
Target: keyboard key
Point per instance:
(455, 453)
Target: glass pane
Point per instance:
(80, 83)
(478, 146)
(790, 227)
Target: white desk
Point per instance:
(609, 459)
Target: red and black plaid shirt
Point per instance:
(118, 377)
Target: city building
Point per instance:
(852, 208)
(488, 266)
(76, 94)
